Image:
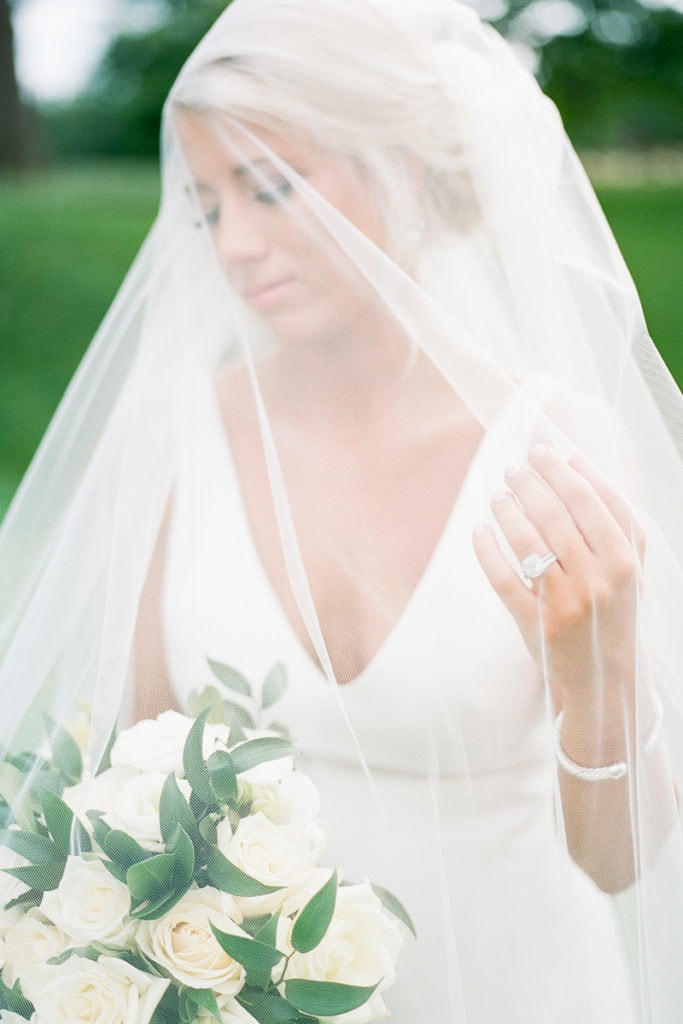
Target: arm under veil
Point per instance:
(378, 277)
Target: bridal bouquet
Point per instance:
(181, 884)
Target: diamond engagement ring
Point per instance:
(534, 566)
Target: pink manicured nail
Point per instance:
(480, 530)
(513, 469)
(499, 496)
(537, 451)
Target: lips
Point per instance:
(268, 293)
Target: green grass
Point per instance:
(69, 236)
(647, 224)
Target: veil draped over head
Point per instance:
(377, 278)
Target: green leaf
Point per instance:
(238, 717)
(205, 998)
(267, 933)
(174, 810)
(326, 998)
(268, 1008)
(256, 957)
(227, 877)
(27, 901)
(230, 677)
(314, 919)
(196, 771)
(394, 906)
(43, 877)
(35, 848)
(12, 999)
(14, 790)
(274, 685)
(65, 752)
(158, 883)
(253, 752)
(105, 761)
(211, 698)
(222, 776)
(67, 832)
(123, 849)
(117, 870)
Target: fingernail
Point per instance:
(513, 469)
(480, 530)
(537, 451)
(499, 496)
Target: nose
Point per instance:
(240, 236)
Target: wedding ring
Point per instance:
(534, 565)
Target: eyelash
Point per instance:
(268, 197)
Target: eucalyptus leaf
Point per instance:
(66, 754)
(222, 776)
(257, 958)
(227, 877)
(68, 833)
(314, 919)
(42, 877)
(274, 685)
(196, 771)
(14, 790)
(35, 848)
(210, 697)
(238, 717)
(326, 998)
(267, 933)
(204, 998)
(394, 906)
(269, 1008)
(11, 999)
(123, 849)
(230, 677)
(266, 748)
(174, 810)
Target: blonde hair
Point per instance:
(355, 76)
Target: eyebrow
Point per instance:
(244, 170)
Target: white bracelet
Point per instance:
(608, 771)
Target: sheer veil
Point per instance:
(444, 224)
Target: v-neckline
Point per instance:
(389, 640)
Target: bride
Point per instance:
(376, 401)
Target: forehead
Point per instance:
(220, 147)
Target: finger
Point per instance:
(549, 516)
(513, 592)
(592, 518)
(621, 509)
(522, 536)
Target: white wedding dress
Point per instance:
(461, 828)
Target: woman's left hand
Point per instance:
(578, 618)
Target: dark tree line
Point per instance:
(615, 71)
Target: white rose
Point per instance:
(154, 745)
(32, 940)
(97, 793)
(80, 991)
(183, 944)
(7, 1017)
(359, 948)
(90, 905)
(135, 809)
(289, 798)
(277, 855)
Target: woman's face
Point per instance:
(276, 253)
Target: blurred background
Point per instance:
(82, 83)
